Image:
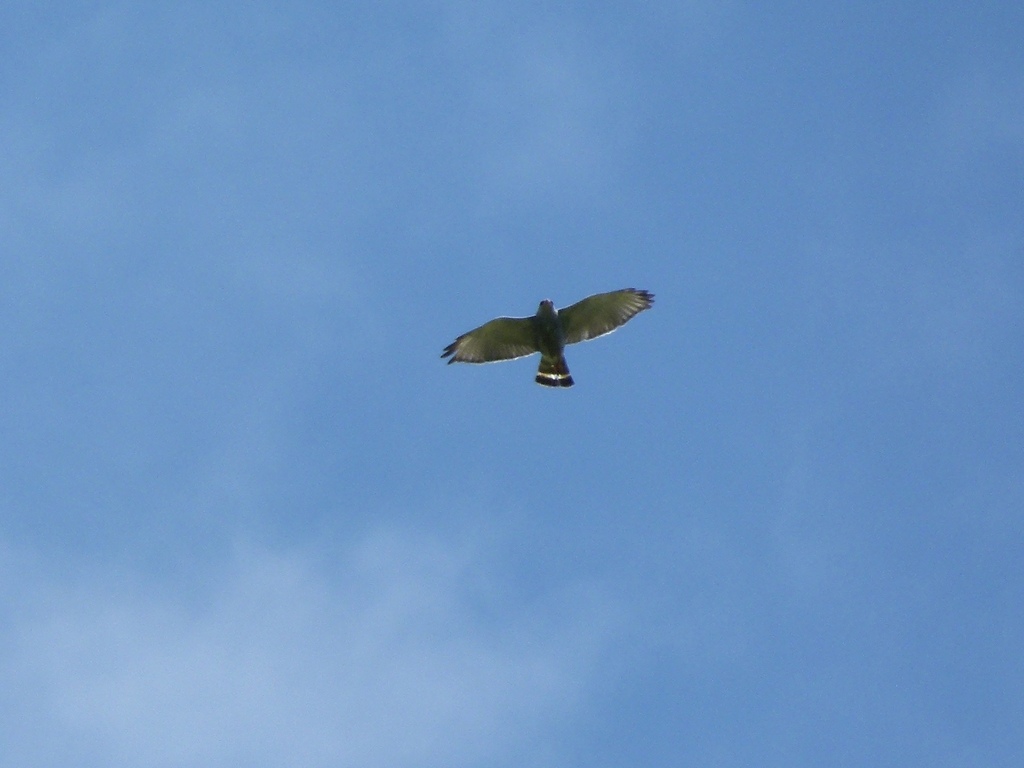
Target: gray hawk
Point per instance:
(547, 332)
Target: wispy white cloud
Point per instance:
(395, 655)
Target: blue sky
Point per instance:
(249, 517)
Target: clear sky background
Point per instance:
(249, 517)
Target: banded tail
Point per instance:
(554, 373)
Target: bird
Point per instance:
(548, 331)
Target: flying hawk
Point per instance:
(547, 332)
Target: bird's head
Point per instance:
(547, 304)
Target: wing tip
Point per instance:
(646, 295)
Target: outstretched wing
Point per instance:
(602, 313)
(502, 339)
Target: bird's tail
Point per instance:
(554, 372)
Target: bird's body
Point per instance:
(547, 332)
(553, 370)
